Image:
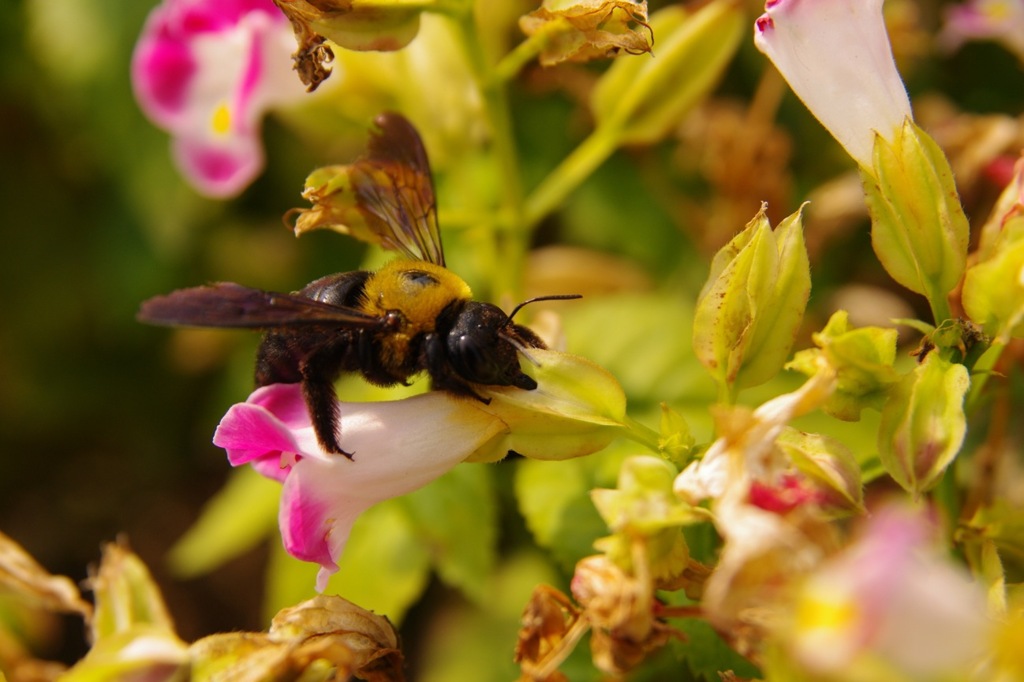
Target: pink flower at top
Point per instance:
(998, 20)
(836, 56)
(398, 447)
(205, 71)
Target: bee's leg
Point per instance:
(276, 361)
(318, 373)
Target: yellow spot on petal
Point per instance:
(826, 612)
(221, 120)
(996, 11)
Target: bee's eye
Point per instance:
(474, 354)
(420, 278)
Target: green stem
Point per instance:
(509, 241)
(939, 303)
(980, 373)
(573, 170)
(522, 54)
(643, 435)
(727, 393)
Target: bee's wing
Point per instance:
(232, 305)
(395, 190)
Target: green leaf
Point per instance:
(240, 516)
(288, 582)
(455, 518)
(669, 369)
(707, 654)
(554, 498)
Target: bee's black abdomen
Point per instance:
(282, 352)
(342, 288)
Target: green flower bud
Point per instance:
(862, 360)
(751, 306)
(639, 100)
(923, 423)
(919, 230)
(132, 633)
(644, 505)
(675, 441)
(993, 292)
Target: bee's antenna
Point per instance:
(519, 346)
(554, 297)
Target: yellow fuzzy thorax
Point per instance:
(420, 298)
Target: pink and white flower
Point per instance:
(402, 445)
(398, 447)
(836, 56)
(892, 598)
(206, 71)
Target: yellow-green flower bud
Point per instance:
(675, 441)
(132, 633)
(639, 100)
(923, 423)
(751, 306)
(919, 230)
(862, 360)
(645, 506)
(993, 293)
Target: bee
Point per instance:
(412, 315)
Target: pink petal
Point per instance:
(206, 70)
(399, 446)
(311, 528)
(253, 433)
(219, 168)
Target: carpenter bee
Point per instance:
(412, 315)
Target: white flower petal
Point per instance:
(836, 56)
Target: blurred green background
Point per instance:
(102, 431)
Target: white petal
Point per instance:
(836, 56)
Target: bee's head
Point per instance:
(484, 344)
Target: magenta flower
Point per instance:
(836, 56)
(205, 71)
(398, 447)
